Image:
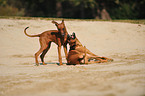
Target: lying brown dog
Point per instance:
(59, 37)
(78, 54)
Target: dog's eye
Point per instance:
(63, 28)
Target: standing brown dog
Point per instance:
(78, 54)
(59, 37)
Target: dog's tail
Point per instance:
(30, 35)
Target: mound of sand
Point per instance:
(124, 42)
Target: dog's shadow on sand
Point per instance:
(55, 63)
(50, 63)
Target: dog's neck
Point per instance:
(76, 45)
(72, 47)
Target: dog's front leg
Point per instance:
(65, 50)
(85, 57)
(59, 55)
(86, 60)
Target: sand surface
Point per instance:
(124, 42)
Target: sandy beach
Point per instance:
(123, 42)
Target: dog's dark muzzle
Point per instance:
(63, 34)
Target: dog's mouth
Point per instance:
(72, 37)
(63, 34)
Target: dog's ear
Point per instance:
(68, 36)
(54, 22)
(74, 35)
(63, 21)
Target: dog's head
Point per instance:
(72, 40)
(60, 27)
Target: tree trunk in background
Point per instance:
(105, 15)
(98, 14)
(58, 9)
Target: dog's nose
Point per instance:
(63, 34)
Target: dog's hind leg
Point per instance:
(44, 53)
(43, 47)
(107, 59)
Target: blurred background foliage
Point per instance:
(81, 9)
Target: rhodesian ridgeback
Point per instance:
(59, 37)
(79, 54)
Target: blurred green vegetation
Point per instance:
(80, 9)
